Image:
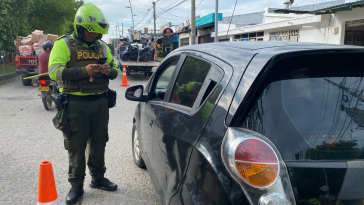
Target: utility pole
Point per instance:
(117, 30)
(132, 18)
(116, 40)
(193, 21)
(122, 29)
(154, 19)
(217, 20)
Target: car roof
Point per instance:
(268, 46)
(233, 51)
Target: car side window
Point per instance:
(189, 82)
(161, 84)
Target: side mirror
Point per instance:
(135, 93)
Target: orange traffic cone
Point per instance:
(47, 193)
(124, 82)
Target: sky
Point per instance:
(177, 11)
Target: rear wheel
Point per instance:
(26, 82)
(47, 101)
(147, 56)
(136, 149)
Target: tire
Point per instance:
(47, 101)
(147, 56)
(136, 149)
(26, 82)
(125, 57)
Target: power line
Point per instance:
(144, 15)
(170, 13)
(196, 8)
(231, 19)
(146, 24)
(183, 1)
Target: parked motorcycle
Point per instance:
(48, 89)
(131, 53)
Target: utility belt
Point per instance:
(110, 95)
(87, 97)
(60, 121)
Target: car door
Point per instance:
(156, 90)
(181, 119)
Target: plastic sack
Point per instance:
(37, 46)
(39, 52)
(25, 50)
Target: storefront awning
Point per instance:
(342, 7)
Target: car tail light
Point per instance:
(256, 162)
(43, 82)
(256, 165)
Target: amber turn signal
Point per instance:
(256, 163)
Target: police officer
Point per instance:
(187, 93)
(73, 61)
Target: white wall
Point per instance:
(203, 32)
(325, 34)
(185, 35)
(269, 17)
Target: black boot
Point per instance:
(103, 184)
(74, 195)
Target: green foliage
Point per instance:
(20, 18)
(341, 150)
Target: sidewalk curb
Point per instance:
(9, 78)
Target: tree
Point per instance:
(53, 16)
(20, 18)
(13, 22)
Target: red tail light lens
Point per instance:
(256, 165)
(43, 82)
(256, 162)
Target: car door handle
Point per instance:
(150, 122)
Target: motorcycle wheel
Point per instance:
(124, 57)
(47, 101)
(134, 56)
(147, 56)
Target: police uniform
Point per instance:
(87, 110)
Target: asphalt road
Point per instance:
(28, 138)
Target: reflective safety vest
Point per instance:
(81, 57)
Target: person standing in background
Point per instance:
(151, 44)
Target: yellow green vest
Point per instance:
(81, 57)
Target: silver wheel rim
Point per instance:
(136, 145)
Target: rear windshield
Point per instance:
(314, 111)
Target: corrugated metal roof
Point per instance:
(342, 7)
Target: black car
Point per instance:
(254, 123)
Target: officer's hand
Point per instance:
(93, 69)
(106, 69)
